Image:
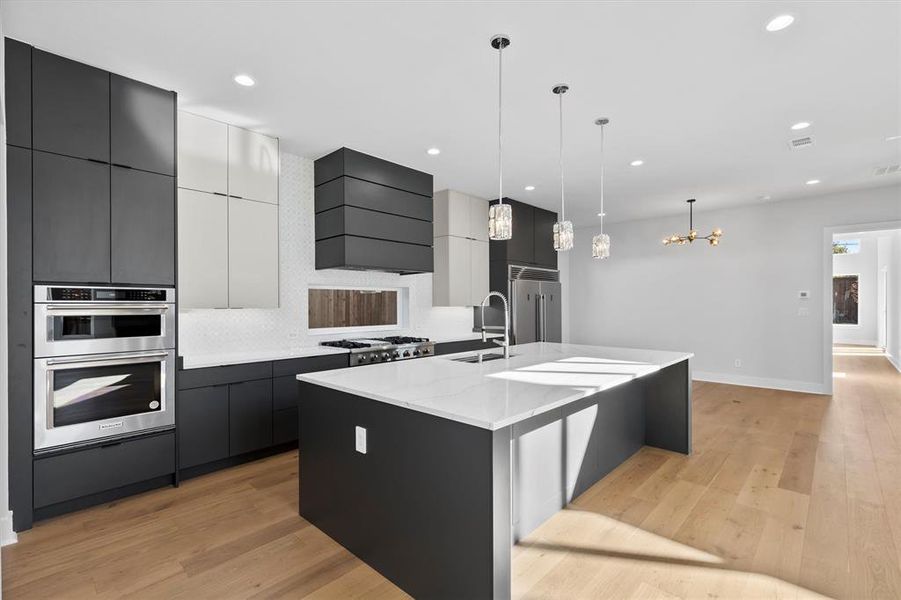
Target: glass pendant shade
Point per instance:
(500, 222)
(600, 246)
(563, 236)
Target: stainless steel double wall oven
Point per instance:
(104, 363)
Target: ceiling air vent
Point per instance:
(802, 142)
(889, 170)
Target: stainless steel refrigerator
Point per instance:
(535, 304)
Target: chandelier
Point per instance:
(713, 238)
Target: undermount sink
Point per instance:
(474, 358)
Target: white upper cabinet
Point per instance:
(478, 219)
(252, 165)
(202, 250)
(478, 271)
(202, 154)
(252, 254)
(461, 249)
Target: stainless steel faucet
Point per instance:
(505, 328)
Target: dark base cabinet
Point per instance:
(249, 416)
(202, 425)
(230, 414)
(87, 472)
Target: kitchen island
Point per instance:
(429, 470)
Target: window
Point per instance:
(846, 246)
(333, 310)
(844, 299)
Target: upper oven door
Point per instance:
(66, 329)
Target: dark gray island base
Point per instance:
(435, 504)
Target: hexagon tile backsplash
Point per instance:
(284, 328)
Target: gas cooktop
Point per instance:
(365, 351)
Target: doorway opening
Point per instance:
(862, 299)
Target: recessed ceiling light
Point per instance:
(603, 214)
(892, 138)
(529, 188)
(779, 23)
(812, 181)
(801, 125)
(245, 80)
(636, 163)
(765, 198)
(433, 151)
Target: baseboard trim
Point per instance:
(788, 385)
(7, 534)
(895, 362)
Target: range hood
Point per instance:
(372, 215)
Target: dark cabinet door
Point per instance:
(70, 107)
(545, 255)
(142, 212)
(250, 416)
(285, 425)
(71, 220)
(18, 93)
(142, 126)
(202, 425)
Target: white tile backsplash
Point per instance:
(250, 330)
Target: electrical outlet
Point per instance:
(737, 363)
(803, 311)
(360, 439)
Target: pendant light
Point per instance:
(500, 215)
(600, 244)
(680, 240)
(563, 229)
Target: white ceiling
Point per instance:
(699, 90)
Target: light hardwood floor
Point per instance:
(786, 496)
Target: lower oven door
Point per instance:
(79, 399)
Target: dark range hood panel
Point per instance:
(372, 214)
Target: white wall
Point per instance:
(736, 301)
(863, 264)
(223, 331)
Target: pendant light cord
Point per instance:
(562, 198)
(602, 178)
(500, 98)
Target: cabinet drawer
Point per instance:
(284, 392)
(284, 425)
(194, 378)
(84, 472)
(309, 364)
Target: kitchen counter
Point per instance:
(200, 361)
(537, 378)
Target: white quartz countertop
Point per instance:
(219, 359)
(199, 361)
(537, 378)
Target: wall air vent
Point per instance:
(802, 142)
(889, 170)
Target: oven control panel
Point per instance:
(89, 294)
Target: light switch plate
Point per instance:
(360, 439)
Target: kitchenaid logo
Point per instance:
(110, 425)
